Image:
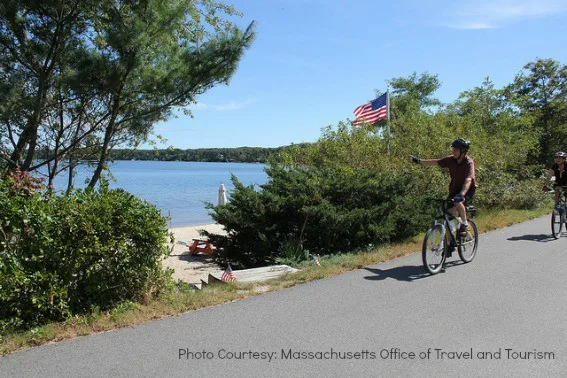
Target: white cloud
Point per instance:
(490, 14)
(464, 24)
(223, 107)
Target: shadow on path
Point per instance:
(538, 238)
(405, 273)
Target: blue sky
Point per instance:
(314, 61)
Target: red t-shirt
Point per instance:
(459, 173)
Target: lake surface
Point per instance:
(179, 189)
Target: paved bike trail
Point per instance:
(504, 314)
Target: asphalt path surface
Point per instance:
(504, 314)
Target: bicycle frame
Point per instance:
(444, 220)
(438, 239)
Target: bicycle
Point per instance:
(437, 240)
(559, 214)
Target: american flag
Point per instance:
(228, 275)
(373, 111)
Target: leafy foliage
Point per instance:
(328, 210)
(292, 252)
(61, 256)
(540, 91)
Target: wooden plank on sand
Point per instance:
(256, 274)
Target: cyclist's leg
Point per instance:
(563, 193)
(557, 192)
(452, 210)
(561, 197)
(459, 208)
(467, 201)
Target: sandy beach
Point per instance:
(191, 269)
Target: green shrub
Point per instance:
(329, 210)
(292, 252)
(65, 255)
(510, 190)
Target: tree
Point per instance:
(411, 97)
(485, 103)
(540, 91)
(33, 37)
(127, 65)
(502, 139)
(414, 92)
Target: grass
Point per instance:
(181, 298)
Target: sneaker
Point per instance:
(463, 229)
(451, 248)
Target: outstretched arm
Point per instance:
(429, 162)
(417, 160)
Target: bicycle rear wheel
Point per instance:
(433, 253)
(469, 243)
(556, 223)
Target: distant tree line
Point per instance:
(238, 155)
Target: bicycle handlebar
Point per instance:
(445, 203)
(441, 200)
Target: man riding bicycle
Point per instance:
(558, 171)
(462, 185)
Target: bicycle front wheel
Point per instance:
(556, 223)
(469, 243)
(433, 253)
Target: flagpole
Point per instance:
(388, 119)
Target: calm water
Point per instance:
(179, 189)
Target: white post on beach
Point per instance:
(222, 195)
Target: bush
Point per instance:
(505, 190)
(292, 252)
(65, 255)
(328, 210)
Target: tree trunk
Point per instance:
(102, 159)
(70, 178)
(109, 132)
(52, 171)
(28, 138)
